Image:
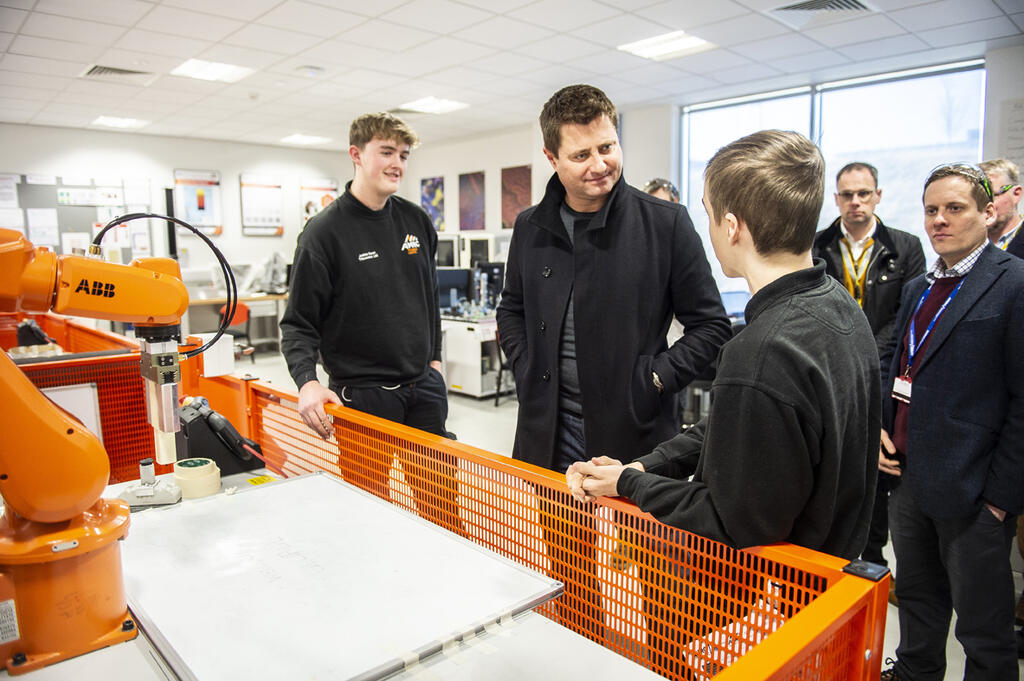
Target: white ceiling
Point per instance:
(503, 57)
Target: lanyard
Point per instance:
(914, 346)
(854, 273)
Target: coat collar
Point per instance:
(990, 266)
(548, 217)
(784, 288)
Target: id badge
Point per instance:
(901, 389)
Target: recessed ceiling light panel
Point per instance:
(211, 70)
(433, 105)
(122, 123)
(299, 138)
(667, 46)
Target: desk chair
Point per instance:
(241, 318)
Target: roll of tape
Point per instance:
(197, 478)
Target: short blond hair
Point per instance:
(1001, 165)
(774, 181)
(380, 125)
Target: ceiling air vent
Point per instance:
(812, 13)
(112, 74)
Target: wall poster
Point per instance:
(432, 200)
(197, 200)
(317, 194)
(515, 194)
(471, 201)
(262, 204)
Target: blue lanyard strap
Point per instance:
(914, 345)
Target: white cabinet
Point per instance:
(471, 357)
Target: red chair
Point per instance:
(241, 318)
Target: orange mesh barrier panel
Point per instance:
(127, 436)
(680, 604)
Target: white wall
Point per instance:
(65, 151)
(650, 144)
(1004, 85)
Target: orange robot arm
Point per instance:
(52, 468)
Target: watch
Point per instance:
(657, 382)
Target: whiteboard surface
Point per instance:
(309, 579)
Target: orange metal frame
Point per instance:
(685, 606)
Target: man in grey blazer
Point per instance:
(953, 424)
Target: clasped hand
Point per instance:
(598, 477)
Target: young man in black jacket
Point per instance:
(873, 261)
(364, 297)
(787, 452)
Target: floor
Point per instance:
(481, 424)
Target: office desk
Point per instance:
(266, 311)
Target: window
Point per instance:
(903, 125)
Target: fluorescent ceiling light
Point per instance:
(114, 122)
(211, 70)
(299, 138)
(433, 105)
(667, 46)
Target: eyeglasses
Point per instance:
(862, 195)
(1002, 190)
(968, 170)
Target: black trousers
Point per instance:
(878, 530)
(947, 564)
(422, 405)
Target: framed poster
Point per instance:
(515, 194)
(316, 194)
(471, 201)
(197, 200)
(432, 200)
(262, 204)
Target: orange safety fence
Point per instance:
(682, 605)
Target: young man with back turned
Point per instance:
(787, 452)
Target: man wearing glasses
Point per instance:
(1006, 194)
(953, 423)
(873, 261)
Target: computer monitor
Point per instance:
(453, 279)
(447, 251)
(735, 303)
(476, 248)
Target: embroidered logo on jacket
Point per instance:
(368, 255)
(412, 244)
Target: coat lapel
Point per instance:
(976, 283)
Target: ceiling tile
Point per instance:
(377, 33)
(360, 6)
(857, 30)
(55, 49)
(161, 43)
(48, 67)
(120, 12)
(650, 74)
(12, 19)
(64, 119)
(277, 82)
(890, 5)
(608, 61)
(688, 84)
(816, 60)
(778, 47)
(461, 75)
(564, 15)
(30, 94)
(509, 64)
(75, 30)
(553, 77)
(944, 13)
(188, 84)
(341, 52)
(18, 4)
(886, 47)
(629, 5)
(240, 56)
(986, 29)
(15, 115)
(709, 61)
(368, 80)
(305, 17)
(619, 30)
(743, 74)
(138, 61)
(1011, 6)
(686, 15)
(258, 36)
(564, 47)
(1019, 20)
(58, 107)
(742, 29)
(446, 52)
(34, 80)
(439, 16)
(5, 41)
(217, 105)
(246, 10)
(102, 91)
(189, 24)
(503, 33)
(168, 128)
(172, 98)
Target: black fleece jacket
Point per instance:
(364, 295)
(789, 451)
